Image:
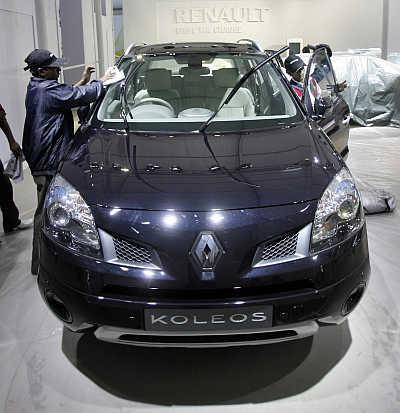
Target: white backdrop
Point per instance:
(16, 41)
(342, 23)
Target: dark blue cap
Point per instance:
(40, 58)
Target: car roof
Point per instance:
(193, 47)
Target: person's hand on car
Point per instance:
(110, 73)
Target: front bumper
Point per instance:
(80, 285)
(271, 335)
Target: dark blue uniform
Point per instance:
(49, 125)
(48, 132)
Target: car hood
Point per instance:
(278, 166)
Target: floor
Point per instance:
(354, 367)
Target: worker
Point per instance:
(294, 66)
(49, 126)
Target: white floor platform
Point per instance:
(351, 368)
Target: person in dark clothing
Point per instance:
(49, 126)
(294, 66)
(11, 221)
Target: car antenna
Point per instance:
(240, 82)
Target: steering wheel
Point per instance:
(155, 101)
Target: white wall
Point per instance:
(394, 26)
(47, 27)
(89, 35)
(17, 39)
(342, 23)
(105, 36)
(27, 24)
(92, 43)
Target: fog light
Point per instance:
(58, 307)
(353, 300)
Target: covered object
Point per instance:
(373, 91)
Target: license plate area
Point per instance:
(200, 320)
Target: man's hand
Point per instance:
(5, 127)
(87, 73)
(342, 86)
(110, 73)
(15, 148)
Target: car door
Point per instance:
(324, 102)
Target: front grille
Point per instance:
(303, 286)
(131, 252)
(282, 248)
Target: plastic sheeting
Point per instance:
(373, 91)
(375, 200)
(373, 161)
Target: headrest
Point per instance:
(226, 77)
(193, 74)
(158, 79)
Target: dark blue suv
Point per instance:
(203, 204)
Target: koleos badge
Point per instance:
(206, 251)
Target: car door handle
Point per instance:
(346, 120)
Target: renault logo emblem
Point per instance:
(206, 250)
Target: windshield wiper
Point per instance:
(124, 106)
(125, 109)
(223, 168)
(238, 85)
(232, 93)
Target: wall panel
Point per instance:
(342, 23)
(16, 41)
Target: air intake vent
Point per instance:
(283, 248)
(288, 247)
(120, 251)
(132, 253)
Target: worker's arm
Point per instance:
(5, 127)
(61, 96)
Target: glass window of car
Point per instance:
(320, 82)
(181, 92)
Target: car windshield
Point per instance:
(180, 92)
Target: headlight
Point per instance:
(69, 219)
(339, 212)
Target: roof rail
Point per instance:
(251, 42)
(131, 48)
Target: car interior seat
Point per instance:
(196, 82)
(242, 103)
(159, 85)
